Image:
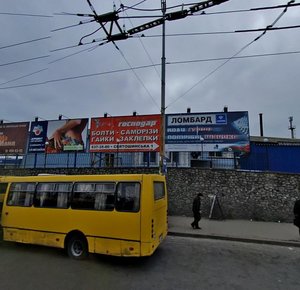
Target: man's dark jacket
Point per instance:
(196, 204)
(297, 213)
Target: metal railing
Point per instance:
(108, 160)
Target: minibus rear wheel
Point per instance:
(77, 247)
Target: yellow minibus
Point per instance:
(120, 215)
(3, 187)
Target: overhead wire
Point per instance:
(182, 34)
(233, 58)
(248, 10)
(154, 36)
(25, 14)
(269, 28)
(217, 32)
(141, 42)
(132, 6)
(73, 14)
(154, 9)
(75, 53)
(138, 78)
(73, 78)
(244, 10)
(213, 13)
(136, 75)
(159, 9)
(23, 76)
(122, 54)
(80, 41)
(237, 53)
(182, 62)
(25, 42)
(74, 25)
(149, 66)
(24, 60)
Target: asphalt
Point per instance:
(274, 233)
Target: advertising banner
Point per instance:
(58, 136)
(224, 131)
(125, 134)
(13, 137)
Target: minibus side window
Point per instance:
(159, 190)
(3, 187)
(105, 196)
(94, 196)
(128, 196)
(53, 195)
(21, 194)
(83, 196)
(64, 191)
(45, 195)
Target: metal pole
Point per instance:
(75, 159)
(261, 124)
(292, 128)
(118, 152)
(163, 90)
(45, 161)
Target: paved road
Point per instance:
(180, 263)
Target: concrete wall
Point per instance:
(246, 195)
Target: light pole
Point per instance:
(163, 91)
(291, 127)
(45, 162)
(266, 140)
(113, 17)
(118, 142)
(201, 140)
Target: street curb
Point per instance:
(236, 239)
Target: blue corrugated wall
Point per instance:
(272, 157)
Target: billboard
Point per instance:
(13, 137)
(223, 131)
(58, 136)
(125, 134)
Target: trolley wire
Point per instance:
(149, 66)
(25, 42)
(122, 54)
(25, 14)
(24, 60)
(237, 53)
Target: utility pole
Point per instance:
(292, 128)
(163, 91)
(112, 18)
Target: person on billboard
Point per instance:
(68, 135)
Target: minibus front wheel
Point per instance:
(77, 246)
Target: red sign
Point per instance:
(125, 134)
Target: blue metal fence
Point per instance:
(270, 157)
(261, 158)
(108, 160)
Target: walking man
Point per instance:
(297, 214)
(196, 211)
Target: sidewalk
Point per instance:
(284, 234)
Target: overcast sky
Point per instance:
(129, 79)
